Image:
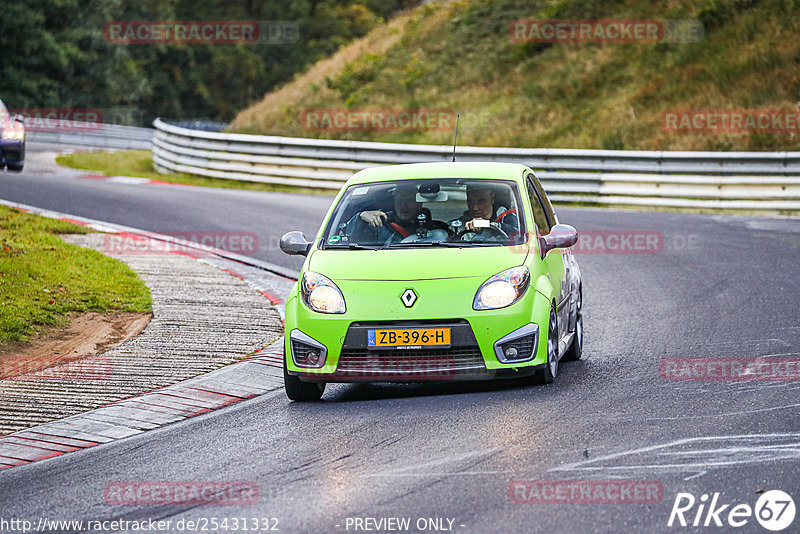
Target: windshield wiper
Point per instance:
(352, 246)
(451, 244)
(412, 244)
(447, 244)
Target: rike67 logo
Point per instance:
(774, 510)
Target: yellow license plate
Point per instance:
(402, 338)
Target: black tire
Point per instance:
(15, 167)
(575, 350)
(300, 391)
(550, 370)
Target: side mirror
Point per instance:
(19, 118)
(560, 236)
(295, 244)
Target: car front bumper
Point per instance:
(11, 152)
(476, 351)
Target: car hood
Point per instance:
(416, 263)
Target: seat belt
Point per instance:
(400, 230)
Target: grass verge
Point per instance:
(139, 163)
(42, 278)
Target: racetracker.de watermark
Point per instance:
(177, 523)
(619, 242)
(634, 242)
(396, 366)
(92, 368)
(586, 491)
(209, 32)
(245, 243)
(61, 119)
(730, 121)
(196, 493)
(628, 242)
(769, 369)
(605, 31)
(390, 120)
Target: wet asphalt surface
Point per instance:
(715, 287)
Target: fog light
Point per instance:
(519, 346)
(306, 351)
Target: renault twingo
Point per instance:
(433, 271)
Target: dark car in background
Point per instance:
(12, 140)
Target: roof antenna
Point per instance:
(455, 137)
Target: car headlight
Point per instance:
(13, 135)
(321, 294)
(502, 289)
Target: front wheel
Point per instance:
(300, 391)
(550, 371)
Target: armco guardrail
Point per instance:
(733, 180)
(99, 136)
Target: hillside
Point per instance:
(462, 57)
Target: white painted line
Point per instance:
(760, 449)
(129, 180)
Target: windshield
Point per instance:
(427, 212)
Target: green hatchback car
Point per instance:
(433, 271)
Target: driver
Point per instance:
(481, 200)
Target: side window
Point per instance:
(540, 215)
(548, 208)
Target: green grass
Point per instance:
(139, 163)
(124, 163)
(42, 278)
(458, 56)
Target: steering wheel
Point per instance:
(435, 231)
(441, 225)
(437, 234)
(496, 229)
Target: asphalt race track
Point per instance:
(716, 287)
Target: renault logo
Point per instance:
(408, 297)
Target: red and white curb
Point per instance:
(229, 385)
(128, 180)
(256, 375)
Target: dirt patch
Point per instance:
(87, 334)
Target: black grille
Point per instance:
(524, 346)
(300, 351)
(411, 364)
